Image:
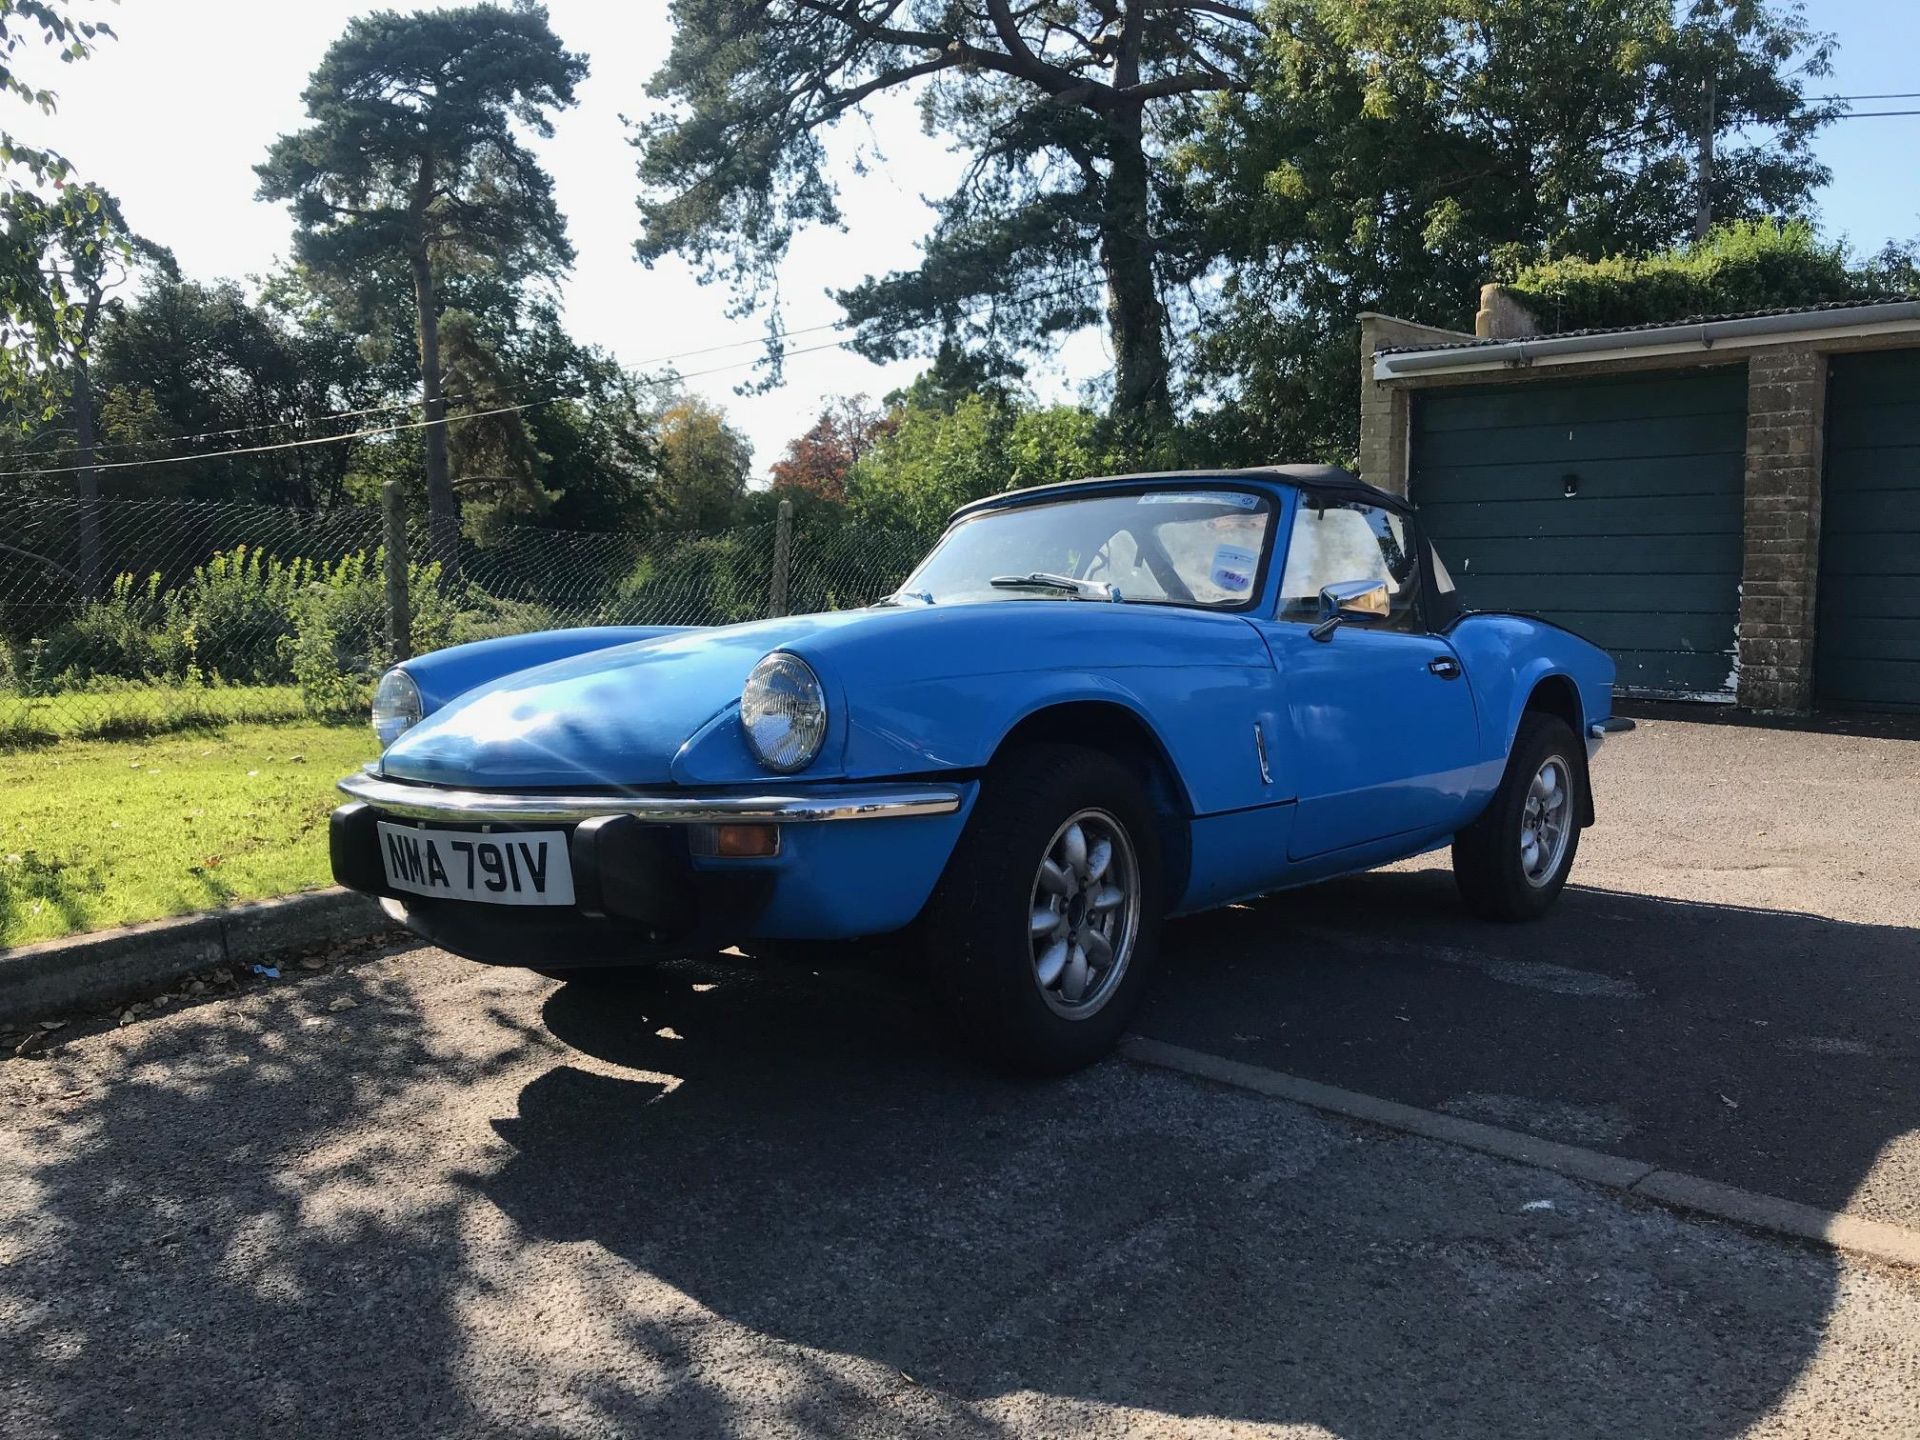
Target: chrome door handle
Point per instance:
(1445, 666)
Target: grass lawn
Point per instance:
(104, 832)
(140, 711)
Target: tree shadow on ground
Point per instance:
(823, 1172)
(722, 1200)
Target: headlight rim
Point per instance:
(410, 708)
(794, 765)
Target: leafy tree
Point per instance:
(1394, 154)
(1062, 105)
(41, 214)
(586, 458)
(818, 462)
(703, 466)
(192, 368)
(414, 162)
(933, 460)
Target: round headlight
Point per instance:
(396, 706)
(784, 712)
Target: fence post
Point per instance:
(399, 603)
(782, 557)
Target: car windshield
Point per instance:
(1169, 547)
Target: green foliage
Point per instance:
(238, 610)
(1063, 108)
(707, 580)
(703, 463)
(414, 170)
(1393, 155)
(248, 618)
(415, 138)
(52, 232)
(136, 631)
(340, 647)
(1745, 265)
(933, 460)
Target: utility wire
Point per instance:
(497, 410)
(413, 404)
(219, 434)
(284, 444)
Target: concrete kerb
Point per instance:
(93, 970)
(1878, 1239)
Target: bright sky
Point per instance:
(173, 116)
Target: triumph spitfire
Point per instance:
(1092, 706)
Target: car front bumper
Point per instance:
(853, 860)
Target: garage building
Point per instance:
(1730, 506)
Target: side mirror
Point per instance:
(1351, 600)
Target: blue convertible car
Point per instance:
(1092, 706)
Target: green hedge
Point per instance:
(1757, 265)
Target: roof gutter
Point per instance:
(1693, 337)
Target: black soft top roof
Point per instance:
(1324, 482)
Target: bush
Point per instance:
(1746, 265)
(339, 646)
(134, 632)
(239, 615)
(486, 617)
(706, 580)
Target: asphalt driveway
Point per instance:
(414, 1196)
(1731, 987)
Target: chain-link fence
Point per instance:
(134, 617)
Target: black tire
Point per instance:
(1487, 863)
(976, 930)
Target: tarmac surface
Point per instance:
(410, 1195)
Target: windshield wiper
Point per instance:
(1065, 584)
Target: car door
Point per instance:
(1384, 729)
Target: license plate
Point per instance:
(524, 868)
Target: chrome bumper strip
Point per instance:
(796, 806)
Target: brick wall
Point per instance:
(1385, 409)
(1786, 424)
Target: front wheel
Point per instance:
(1046, 923)
(1512, 863)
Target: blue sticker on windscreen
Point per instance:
(1235, 498)
(1233, 569)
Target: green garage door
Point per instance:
(1867, 651)
(1612, 507)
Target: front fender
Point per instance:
(1201, 718)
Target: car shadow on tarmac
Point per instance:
(820, 1169)
(1769, 1049)
(282, 1214)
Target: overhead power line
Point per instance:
(1029, 298)
(221, 434)
(395, 429)
(284, 444)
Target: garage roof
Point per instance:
(1836, 320)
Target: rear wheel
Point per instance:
(1512, 863)
(1046, 923)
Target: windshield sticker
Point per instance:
(1233, 569)
(1209, 497)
